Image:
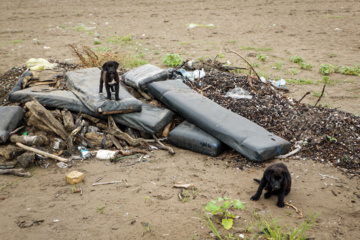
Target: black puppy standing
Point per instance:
(277, 181)
(110, 78)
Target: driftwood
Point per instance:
(115, 141)
(132, 152)
(90, 118)
(147, 97)
(162, 146)
(96, 139)
(17, 171)
(7, 165)
(29, 140)
(70, 139)
(47, 119)
(115, 131)
(49, 155)
(16, 130)
(34, 121)
(106, 183)
(68, 120)
(322, 93)
(166, 130)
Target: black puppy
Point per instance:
(277, 181)
(110, 77)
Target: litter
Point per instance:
(188, 136)
(244, 136)
(194, 25)
(238, 93)
(10, 118)
(39, 64)
(105, 154)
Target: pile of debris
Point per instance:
(325, 134)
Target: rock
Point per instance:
(26, 158)
(74, 177)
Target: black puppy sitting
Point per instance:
(277, 181)
(110, 78)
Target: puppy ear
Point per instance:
(104, 67)
(116, 64)
(286, 176)
(268, 173)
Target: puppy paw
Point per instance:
(255, 198)
(267, 195)
(280, 204)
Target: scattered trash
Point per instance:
(105, 154)
(279, 83)
(10, 118)
(327, 176)
(39, 64)
(85, 153)
(238, 93)
(194, 25)
(199, 74)
(56, 144)
(106, 183)
(74, 177)
(184, 185)
(61, 165)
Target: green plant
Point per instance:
(172, 60)
(147, 227)
(325, 69)
(127, 38)
(5, 186)
(272, 230)
(102, 49)
(332, 139)
(220, 55)
(256, 48)
(96, 42)
(278, 65)
(351, 71)
(100, 210)
(227, 216)
(156, 52)
(294, 71)
(72, 188)
(300, 81)
(305, 66)
(316, 94)
(113, 39)
(297, 59)
(210, 224)
(16, 41)
(261, 57)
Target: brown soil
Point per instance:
(43, 206)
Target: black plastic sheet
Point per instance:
(10, 116)
(190, 137)
(246, 137)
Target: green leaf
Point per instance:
(211, 206)
(219, 199)
(226, 205)
(231, 215)
(227, 223)
(239, 204)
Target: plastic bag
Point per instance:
(39, 64)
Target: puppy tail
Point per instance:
(256, 180)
